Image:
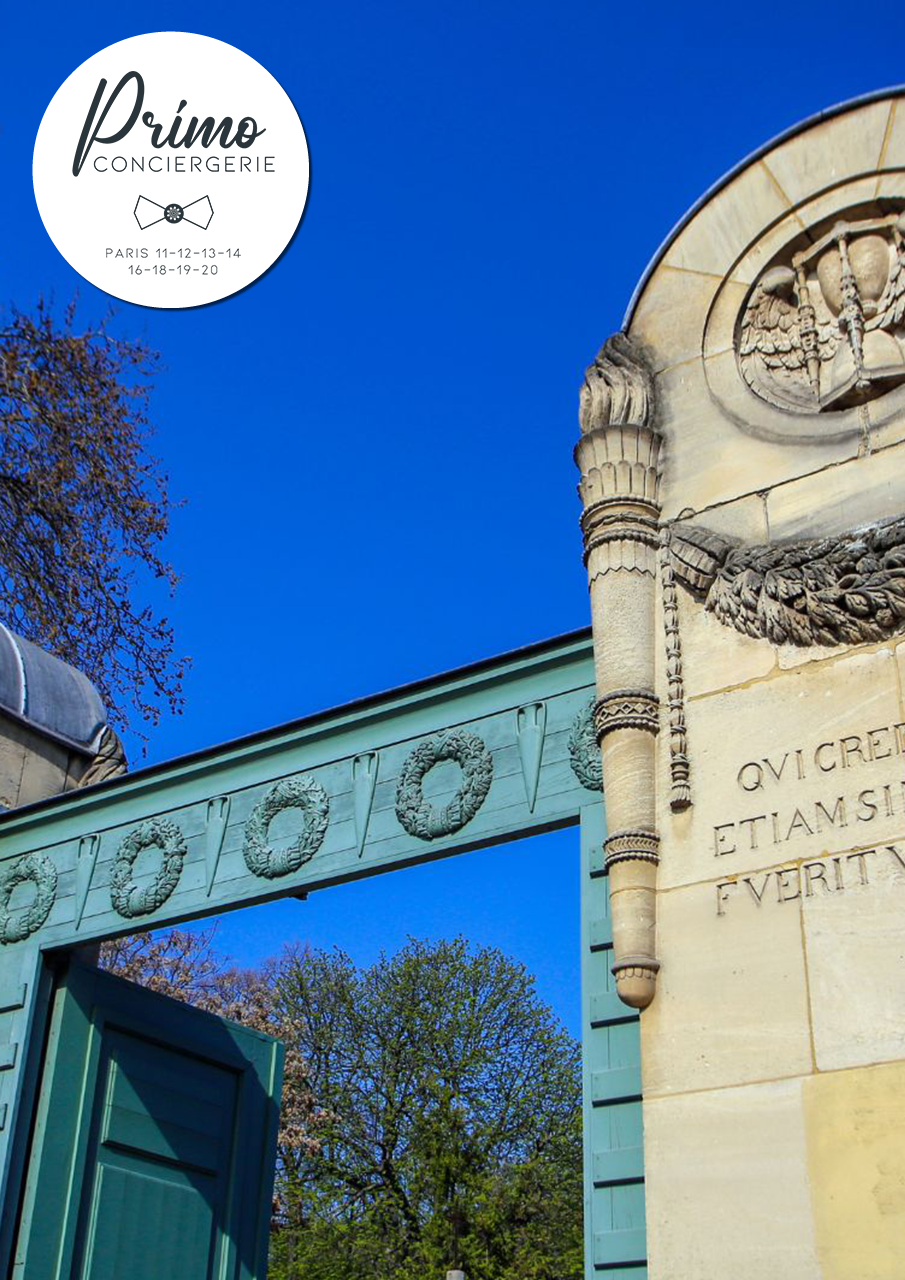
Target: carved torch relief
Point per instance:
(618, 457)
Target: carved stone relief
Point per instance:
(822, 328)
(416, 814)
(127, 897)
(584, 753)
(844, 590)
(618, 456)
(16, 924)
(303, 793)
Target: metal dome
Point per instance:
(48, 694)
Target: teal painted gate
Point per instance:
(154, 1141)
(193, 838)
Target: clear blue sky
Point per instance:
(374, 441)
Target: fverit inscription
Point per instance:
(832, 875)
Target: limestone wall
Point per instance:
(774, 1050)
(33, 765)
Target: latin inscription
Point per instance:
(828, 875)
(845, 763)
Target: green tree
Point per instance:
(84, 507)
(449, 1127)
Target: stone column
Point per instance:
(618, 458)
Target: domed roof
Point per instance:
(48, 694)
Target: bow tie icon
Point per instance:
(147, 213)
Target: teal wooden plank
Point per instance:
(13, 997)
(615, 1242)
(606, 1007)
(616, 1085)
(619, 1165)
(617, 1248)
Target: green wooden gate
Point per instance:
(330, 798)
(154, 1140)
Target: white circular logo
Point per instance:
(171, 169)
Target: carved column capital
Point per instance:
(626, 709)
(624, 846)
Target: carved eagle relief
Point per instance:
(844, 590)
(823, 330)
(771, 335)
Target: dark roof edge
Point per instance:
(370, 701)
(83, 748)
(895, 91)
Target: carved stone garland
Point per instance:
(618, 456)
(127, 897)
(21, 923)
(415, 813)
(848, 589)
(584, 753)
(303, 793)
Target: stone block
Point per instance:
(729, 221)
(855, 1129)
(855, 943)
(731, 1002)
(829, 152)
(727, 1185)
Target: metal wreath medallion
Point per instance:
(21, 923)
(417, 815)
(127, 897)
(584, 753)
(302, 793)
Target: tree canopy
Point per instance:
(431, 1114)
(84, 507)
(449, 1131)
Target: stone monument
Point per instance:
(742, 459)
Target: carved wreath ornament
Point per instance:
(584, 753)
(22, 922)
(844, 590)
(415, 813)
(127, 896)
(303, 793)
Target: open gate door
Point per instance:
(154, 1141)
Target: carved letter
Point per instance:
(718, 838)
(815, 872)
(753, 783)
(781, 885)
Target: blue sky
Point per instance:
(374, 441)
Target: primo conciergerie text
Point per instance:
(206, 132)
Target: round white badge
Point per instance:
(171, 169)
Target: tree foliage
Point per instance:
(84, 507)
(431, 1114)
(449, 1129)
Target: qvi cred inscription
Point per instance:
(850, 759)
